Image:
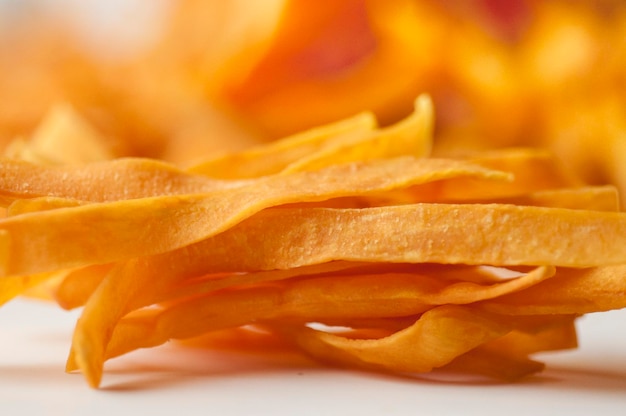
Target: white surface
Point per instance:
(176, 381)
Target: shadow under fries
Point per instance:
(178, 364)
(36, 358)
(183, 365)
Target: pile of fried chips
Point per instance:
(348, 242)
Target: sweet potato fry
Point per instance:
(102, 233)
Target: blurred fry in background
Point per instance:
(179, 79)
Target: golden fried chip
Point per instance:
(572, 291)
(557, 333)
(425, 242)
(12, 286)
(471, 265)
(494, 364)
(506, 358)
(491, 234)
(411, 136)
(250, 339)
(119, 179)
(434, 340)
(43, 203)
(78, 285)
(595, 198)
(532, 169)
(273, 157)
(101, 233)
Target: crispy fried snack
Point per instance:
(347, 243)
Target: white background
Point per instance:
(177, 381)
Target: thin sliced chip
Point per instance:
(558, 333)
(534, 175)
(492, 234)
(530, 164)
(102, 233)
(411, 136)
(13, 286)
(387, 287)
(454, 284)
(494, 364)
(533, 170)
(595, 198)
(206, 284)
(78, 285)
(434, 340)
(506, 358)
(249, 339)
(44, 203)
(273, 157)
(114, 180)
(572, 291)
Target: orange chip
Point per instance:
(336, 297)
(114, 180)
(272, 158)
(434, 340)
(101, 233)
(571, 291)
